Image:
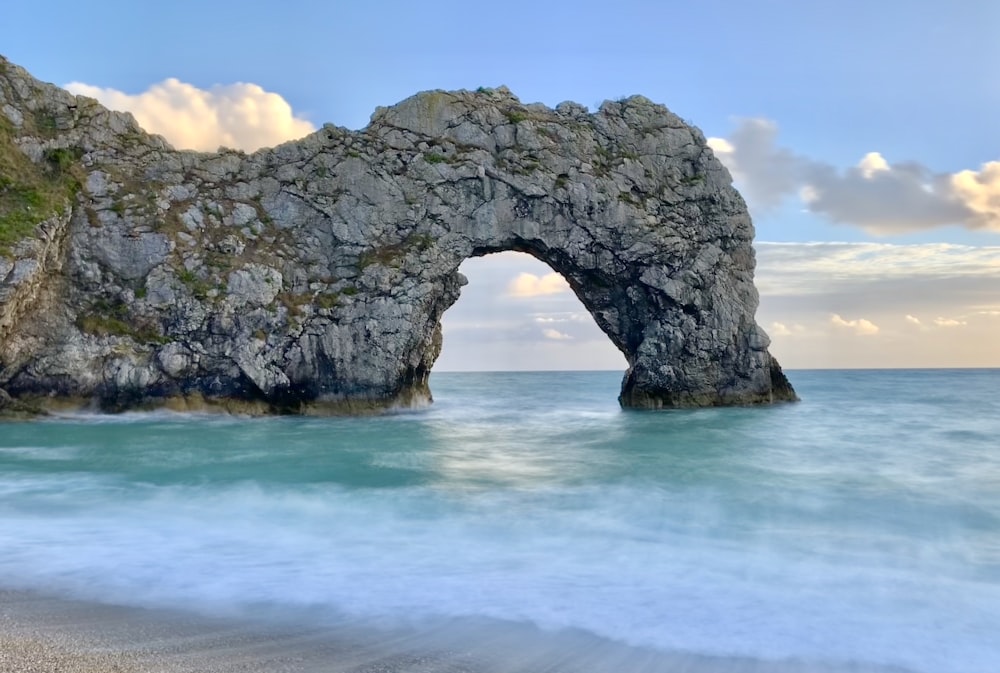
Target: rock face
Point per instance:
(312, 277)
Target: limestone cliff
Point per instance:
(312, 276)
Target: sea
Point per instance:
(855, 530)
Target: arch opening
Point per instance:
(517, 313)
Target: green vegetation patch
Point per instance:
(62, 160)
(199, 287)
(327, 301)
(46, 123)
(629, 198)
(604, 159)
(515, 116)
(112, 319)
(103, 325)
(293, 302)
(31, 193)
(390, 255)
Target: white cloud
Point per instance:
(948, 322)
(531, 285)
(913, 320)
(241, 116)
(980, 191)
(780, 329)
(721, 146)
(860, 326)
(555, 335)
(879, 196)
(872, 163)
(564, 316)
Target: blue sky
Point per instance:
(830, 82)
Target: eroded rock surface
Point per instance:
(313, 276)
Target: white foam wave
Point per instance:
(40, 452)
(624, 563)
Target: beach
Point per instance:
(41, 634)
(44, 634)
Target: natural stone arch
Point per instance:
(651, 328)
(313, 276)
(641, 220)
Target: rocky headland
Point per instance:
(312, 277)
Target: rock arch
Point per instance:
(313, 276)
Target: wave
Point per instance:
(627, 564)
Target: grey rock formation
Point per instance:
(312, 277)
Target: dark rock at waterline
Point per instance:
(312, 277)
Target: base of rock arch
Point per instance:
(312, 277)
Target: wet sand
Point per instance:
(41, 634)
(44, 634)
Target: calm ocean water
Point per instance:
(858, 528)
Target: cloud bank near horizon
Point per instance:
(240, 116)
(880, 305)
(876, 195)
(825, 304)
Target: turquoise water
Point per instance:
(860, 527)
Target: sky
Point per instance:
(865, 136)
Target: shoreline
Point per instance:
(47, 634)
